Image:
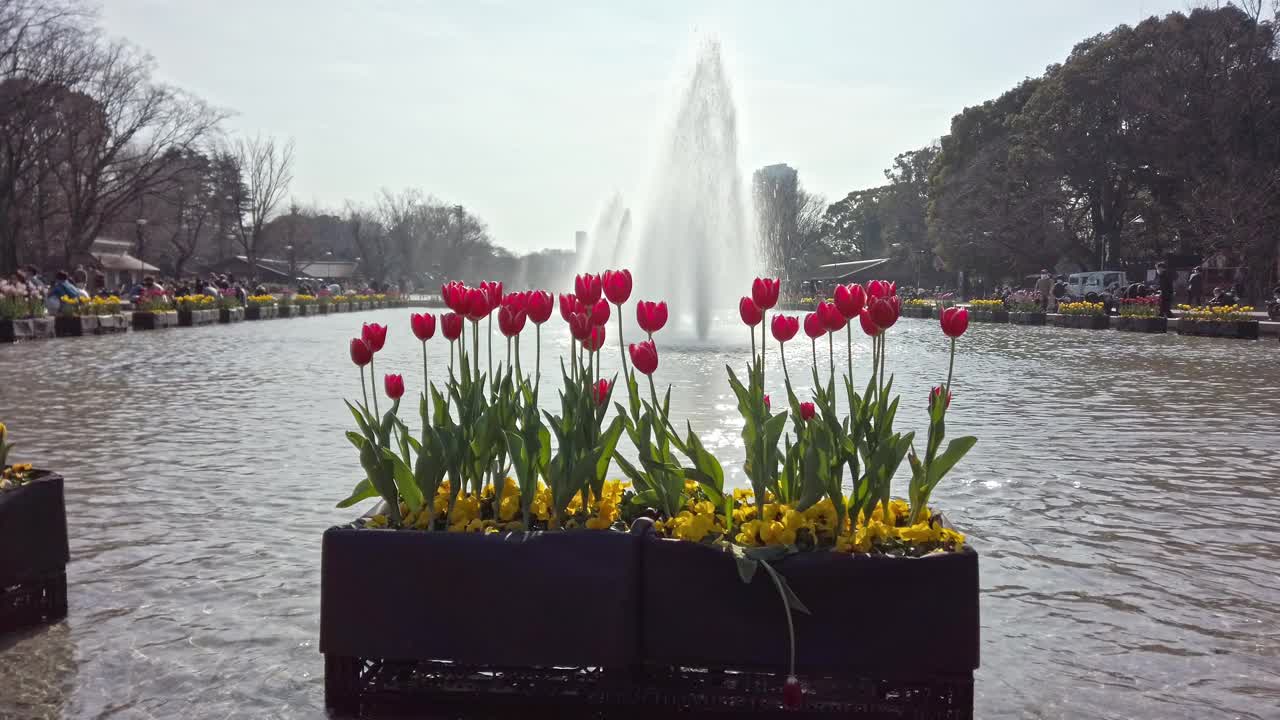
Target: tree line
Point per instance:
(1160, 140)
(93, 146)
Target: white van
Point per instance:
(1081, 284)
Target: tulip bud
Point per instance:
(644, 356)
(394, 385)
(750, 312)
(595, 338)
(792, 693)
(807, 411)
(423, 325)
(374, 335)
(764, 292)
(784, 327)
(600, 312)
(936, 393)
(587, 288)
(832, 318)
(651, 316)
(850, 300)
(540, 306)
(954, 321)
(617, 285)
(813, 326)
(868, 324)
(451, 326)
(360, 353)
(602, 392)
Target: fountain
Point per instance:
(696, 245)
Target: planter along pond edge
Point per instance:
(1081, 322)
(1239, 329)
(1140, 324)
(33, 531)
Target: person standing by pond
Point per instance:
(1195, 287)
(1044, 286)
(1165, 277)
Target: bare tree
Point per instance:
(266, 169)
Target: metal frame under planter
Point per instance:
(154, 320)
(195, 318)
(230, 315)
(384, 603)
(26, 329)
(33, 533)
(261, 312)
(1141, 324)
(1239, 329)
(396, 640)
(1080, 322)
(1027, 318)
(990, 316)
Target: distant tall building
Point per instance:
(580, 242)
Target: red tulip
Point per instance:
(455, 296)
(881, 288)
(792, 694)
(767, 405)
(651, 316)
(477, 304)
(764, 291)
(394, 385)
(784, 327)
(587, 288)
(451, 326)
(580, 326)
(955, 320)
(750, 312)
(602, 392)
(644, 356)
(374, 335)
(600, 312)
(595, 338)
(868, 325)
(831, 317)
(511, 320)
(884, 311)
(423, 324)
(807, 411)
(813, 326)
(516, 301)
(617, 285)
(936, 393)
(569, 306)
(360, 353)
(850, 299)
(540, 306)
(492, 293)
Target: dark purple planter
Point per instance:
(74, 325)
(1140, 324)
(261, 312)
(33, 553)
(920, 313)
(154, 320)
(1081, 322)
(990, 316)
(195, 318)
(230, 315)
(1240, 329)
(108, 324)
(1027, 318)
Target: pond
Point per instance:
(1122, 495)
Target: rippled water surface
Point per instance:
(1124, 495)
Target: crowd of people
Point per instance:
(1049, 291)
(80, 283)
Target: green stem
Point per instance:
(782, 353)
(537, 380)
(951, 364)
(373, 381)
(753, 344)
(519, 379)
(831, 355)
(848, 336)
(426, 380)
(490, 343)
(786, 608)
(622, 346)
(475, 347)
(364, 390)
(813, 342)
(508, 354)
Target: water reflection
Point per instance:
(1122, 494)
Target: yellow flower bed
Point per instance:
(196, 302)
(15, 475)
(1217, 313)
(919, 302)
(700, 521)
(90, 306)
(261, 300)
(1081, 308)
(341, 298)
(362, 298)
(303, 299)
(987, 304)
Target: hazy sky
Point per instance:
(533, 113)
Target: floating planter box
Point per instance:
(990, 316)
(1140, 324)
(74, 325)
(33, 535)
(286, 310)
(230, 315)
(261, 312)
(1081, 322)
(325, 308)
(1027, 318)
(193, 318)
(913, 657)
(1241, 329)
(375, 658)
(26, 329)
(154, 320)
(304, 310)
(922, 313)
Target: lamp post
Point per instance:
(140, 226)
(293, 263)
